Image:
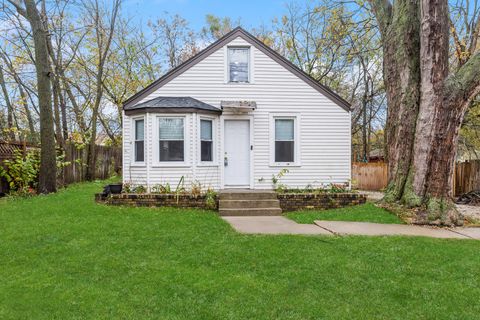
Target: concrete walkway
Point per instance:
(282, 225)
(272, 225)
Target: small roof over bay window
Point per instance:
(172, 105)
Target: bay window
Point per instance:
(284, 140)
(139, 144)
(206, 140)
(238, 64)
(171, 139)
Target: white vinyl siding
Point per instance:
(324, 142)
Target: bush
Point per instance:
(22, 172)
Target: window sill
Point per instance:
(286, 164)
(207, 164)
(239, 83)
(171, 165)
(138, 165)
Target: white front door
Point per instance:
(237, 153)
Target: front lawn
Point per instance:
(64, 257)
(367, 212)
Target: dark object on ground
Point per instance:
(112, 189)
(471, 198)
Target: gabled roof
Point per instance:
(172, 104)
(237, 32)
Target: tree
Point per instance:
(178, 39)
(426, 105)
(48, 166)
(103, 29)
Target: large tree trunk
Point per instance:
(425, 106)
(48, 166)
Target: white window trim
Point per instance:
(297, 139)
(214, 161)
(250, 65)
(133, 139)
(186, 142)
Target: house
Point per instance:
(233, 116)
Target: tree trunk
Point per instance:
(11, 133)
(48, 166)
(401, 45)
(425, 106)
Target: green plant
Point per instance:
(127, 187)
(196, 188)
(276, 178)
(210, 199)
(180, 188)
(140, 189)
(22, 171)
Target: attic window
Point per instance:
(238, 64)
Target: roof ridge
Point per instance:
(238, 31)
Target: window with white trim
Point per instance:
(284, 140)
(171, 139)
(139, 144)
(206, 140)
(238, 64)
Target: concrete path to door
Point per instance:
(282, 225)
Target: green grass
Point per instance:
(64, 257)
(367, 212)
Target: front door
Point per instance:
(237, 154)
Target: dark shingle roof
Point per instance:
(173, 104)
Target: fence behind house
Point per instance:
(109, 162)
(369, 176)
(466, 177)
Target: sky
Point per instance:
(252, 13)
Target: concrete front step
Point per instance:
(247, 195)
(250, 212)
(240, 204)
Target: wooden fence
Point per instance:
(109, 162)
(369, 176)
(374, 175)
(466, 177)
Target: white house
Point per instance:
(231, 117)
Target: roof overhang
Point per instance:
(238, 107)
(172, 105)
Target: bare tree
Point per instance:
(103, 24)
(48, 166)
(178, 39)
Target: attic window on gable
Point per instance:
(238, 65)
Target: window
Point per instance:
(284, 140)
(238, 64)
(206, 140)
(139, 140)
(171, 136)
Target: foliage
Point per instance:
(133, 188)
(211, 198)
(276, 178)
(22, 171)
(79, 260)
